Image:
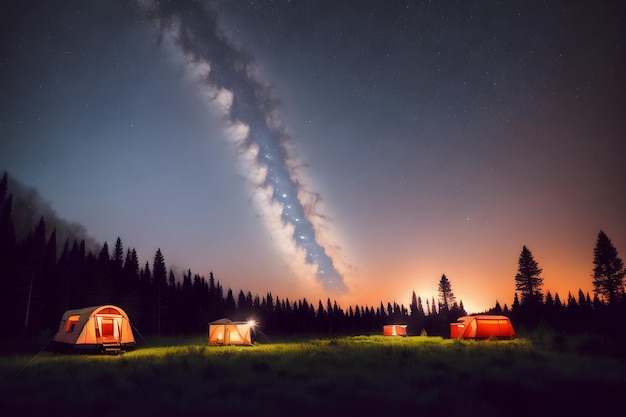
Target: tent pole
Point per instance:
(30, 292)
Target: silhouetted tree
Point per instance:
(172, 310)
(201, 294)
(51, 285)
(557, 301)
(515, 309)
(416, 321)
(117, 271)
(229, 303)
(608, 272)
(103, 288)
(446, 295)
(528, 280)
(454, 313)
(159, 284)
(129, 293)
(549, 301)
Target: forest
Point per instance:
(42, 277)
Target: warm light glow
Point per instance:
(71, 323)
(252, 323)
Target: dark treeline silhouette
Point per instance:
(41, 280)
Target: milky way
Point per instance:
(224, 74)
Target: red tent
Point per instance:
(483, 326)
(394, 330)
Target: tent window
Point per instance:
(71, 323)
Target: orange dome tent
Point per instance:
(104, 329)
(483, 326)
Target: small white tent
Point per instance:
(103, 329)
(226, 332)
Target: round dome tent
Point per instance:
(104, 329)
(482, 326)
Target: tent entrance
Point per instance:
(108, 333)
(110, 330)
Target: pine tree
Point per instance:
(515, 307)
(241, 302)
(420, 306)
(528, 280)
(446, 296)
(51, 283)
(413, 305)
(131, 271)
(549, 301)
(557, 301)
(172, 311)
(117, 258)
(117, 268)
(229, 304)
(608, 272)
(159, 284)
(104, 280)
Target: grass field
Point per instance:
(359, 375)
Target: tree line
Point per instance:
(40, 281)
(580, 312)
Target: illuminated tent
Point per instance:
(226, 332)
(482, 326)
(394, 330)
(104, 329)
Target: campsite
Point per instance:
(356, 375)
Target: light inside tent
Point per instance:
(71, 323)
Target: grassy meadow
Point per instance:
(357, 375)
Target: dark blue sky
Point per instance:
(414, 139)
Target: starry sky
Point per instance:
(355, 150)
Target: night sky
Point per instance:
(355, 150)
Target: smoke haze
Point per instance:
(28, 207)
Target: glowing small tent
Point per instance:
(103, 329)
(483, 326)
(226, 332)
(394, 330)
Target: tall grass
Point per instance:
(361, 375)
